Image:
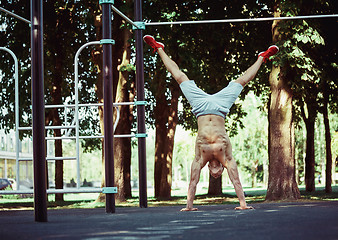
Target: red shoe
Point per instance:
(150, 40)
(272, 50)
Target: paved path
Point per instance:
(306, 220)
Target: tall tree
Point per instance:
(282, 182)
(125, 92)
(305, 47)
(328, 170)
(59, 22)
(326, 59)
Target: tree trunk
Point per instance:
(122, 146)
(312, 107)
(328, 169)
(57, 80)
(282, 183)
(254, 168)
(310, 154)
(166, 119)
(215, 186)
(58, 165)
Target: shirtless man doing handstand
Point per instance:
(212, 144)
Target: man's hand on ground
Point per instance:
(244, 208)
(189, 209)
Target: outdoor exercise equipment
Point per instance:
(39, 159)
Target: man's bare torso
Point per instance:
(212, 142)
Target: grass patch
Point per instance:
(85, 200)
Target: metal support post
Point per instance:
(17, 140)
(38, 110)
(107, 68)
(140, 108)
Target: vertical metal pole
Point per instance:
(17, 140)
(76, 113)
(108, 105)
(141, 128)
(17, 123)
(38, 106)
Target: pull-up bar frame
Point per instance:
(15, 15)
(140, 25)
(240, 20)
(39, 158)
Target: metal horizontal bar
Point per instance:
(60, 138)
(88, 137)
(60, 158)
(60, 127)
(123, 103)
(15, 15)
(123, 16)
(88, 105)
(49, 158)
(101, 104)
(59, 106)
(124, 135)
(53, 191)
(49, 127)
(75, 190)
(241, 20)
(116, 136)
(109, 190)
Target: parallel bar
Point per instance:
(88, 137)
(15, 15)
(241, 20)
(107, 68)
(60, 158)
(48, 158)
(53, 191)
(48, 127)
(140, 108)
(59, 127)
(62, 137)
(89, 105)
(38, 112)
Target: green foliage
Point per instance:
(67, 25)
(211, 54)
(308, 49)
(250, 145)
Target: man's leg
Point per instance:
(252, 71)
(172, 67)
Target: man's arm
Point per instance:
(194, 178)
(234, 177)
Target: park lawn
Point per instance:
(87, 200)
